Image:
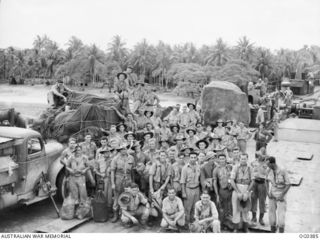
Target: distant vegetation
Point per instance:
(160, 64)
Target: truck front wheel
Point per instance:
(61, 185)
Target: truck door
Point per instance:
(36, 162)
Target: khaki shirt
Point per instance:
(184, 119)
(194, 117)
(176, 172)
(77, 163)
(219, 131)
(191, 142)
(122, 165)
(190, 175)
(136, 201)
(172, 207)
(243, 134)
(152, 154)
(89, 149)
(160, 171)
(242, 174)
(279, 179)
(202, 211)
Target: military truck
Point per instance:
(27, 163)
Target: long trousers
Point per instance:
(193, 195)
(120, 181)
(78, 188)
(236, 212)
(277, 212)
(259, 193)
(225, 203)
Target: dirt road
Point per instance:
(303, 210)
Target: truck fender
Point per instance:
(53, 171)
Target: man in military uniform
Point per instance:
(103, 173)
(259, 189)
(190, 183)
(69, 151)
(192, 138)
(206, 214)
(58, 94)
(223, 189)
(89, 149)
(176, 174)
(242, 182)
(184, 118)
(219, 131)
(77, 167)
(138, 96)
(121, 174)
(206, 175)
(243, 135)
(193, 115)
(160, 173)
(104, 145)
(137, 207)
(132, 78)
(279, 180)
(172, 211)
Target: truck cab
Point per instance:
(24, 160)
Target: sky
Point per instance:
(273, 24)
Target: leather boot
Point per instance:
(245, 227)
(281, 229)
(115, 217)
(254, 217)
(261, 219)
(236, 227)
(273, 229)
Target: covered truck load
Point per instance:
(225, 100)
(85, 113)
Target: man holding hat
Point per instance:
(190, 183)
(121, 174)
(58, 94)
(137, 207)
(242, 181)
(193, 115)
(192, 139)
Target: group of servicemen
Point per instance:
(191, 175)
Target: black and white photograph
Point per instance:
(159, 116)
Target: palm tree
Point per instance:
(94, 58)
(218, 54)
(75, 48)
(163, 61)
(263, 61)
(245, 49)
(143, 57)
(117, 51)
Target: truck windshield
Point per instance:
(34, 146)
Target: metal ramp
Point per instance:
(61, 226)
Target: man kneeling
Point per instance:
(172, 211)
(134, 205)
(205, 215)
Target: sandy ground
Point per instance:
(303, 209)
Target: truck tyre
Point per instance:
(61, 185)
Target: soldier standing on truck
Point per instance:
(77, 168)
